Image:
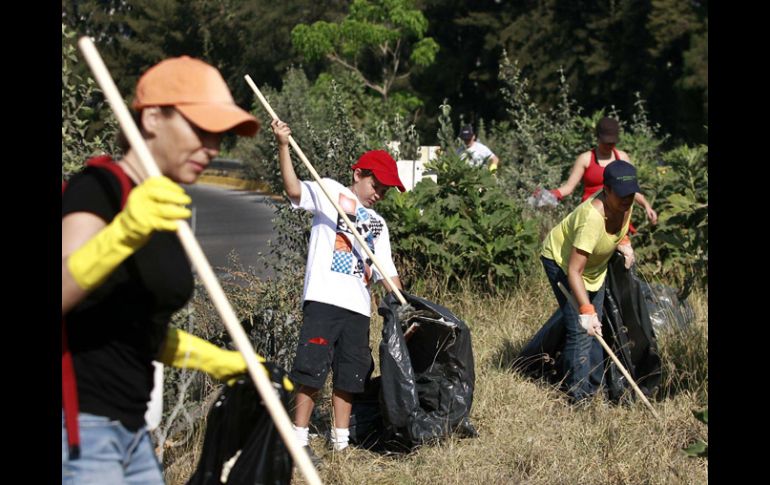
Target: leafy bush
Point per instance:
(463, 228)
(642, 140)
(536, 147)
(677, 247)
(80, 109)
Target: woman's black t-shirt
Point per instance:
(116, 332)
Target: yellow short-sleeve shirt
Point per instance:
(584, 229)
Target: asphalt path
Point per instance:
(227, 220)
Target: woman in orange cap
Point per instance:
(124, 273)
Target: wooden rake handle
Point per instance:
(614, 357)
(326, 192)
(202, 266)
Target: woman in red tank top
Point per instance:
(589, 167)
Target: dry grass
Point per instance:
(528, 433)
(184, 459)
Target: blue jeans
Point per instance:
(583, 356)
(109, 453)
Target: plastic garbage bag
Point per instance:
(542, 198)
(242, 445)
(428, 379)
(665, 308)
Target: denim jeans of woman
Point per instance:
(109, 453)
(583, 356)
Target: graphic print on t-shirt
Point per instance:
(347, 259)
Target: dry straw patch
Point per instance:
(528, 433)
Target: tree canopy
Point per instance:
(380, 41)
(611, 52)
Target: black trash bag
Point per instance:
(367, 427)
(541, 357)
(626, 328)
(239, 424)
(427, 383)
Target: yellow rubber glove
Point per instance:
(155, 205)
(493, 167)
(186, 351)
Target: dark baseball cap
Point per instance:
(607, 130)
(620, 176)
(382, 166)
(466, 133)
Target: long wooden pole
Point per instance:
(202, 266)
(326, 192)
(614, 357)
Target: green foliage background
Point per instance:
(471, 225)
(609, 50)
(81, 109)
(533, 78)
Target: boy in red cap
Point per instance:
(336, 299)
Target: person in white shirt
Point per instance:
(476, 153)
(336, 300)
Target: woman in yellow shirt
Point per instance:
(576, 253)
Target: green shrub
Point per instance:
(81, 109)
(641, 140)
(536, 147)
(677, 248)
(463, 228)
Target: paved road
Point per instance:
(227, 220)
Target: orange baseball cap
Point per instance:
(198, 91)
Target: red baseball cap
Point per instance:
(198, 91)
(383, 166)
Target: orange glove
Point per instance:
(589, 320)
(627, 251)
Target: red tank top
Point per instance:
(593, 177)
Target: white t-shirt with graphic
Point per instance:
(338, 271)
(479, 153)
